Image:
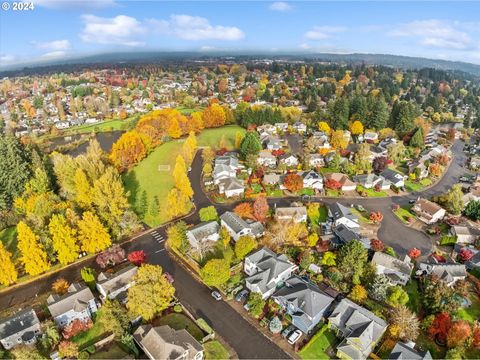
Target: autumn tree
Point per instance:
(358, 293)
(377, 245)
(260, 208)
(244, 210)
(215, 272)
(60, 286)
(238, 139)
(333, 184)
(83, 189)
(174, 130)
(137, 257)
(8, 273)
(293, 182)
(414, 253)
(179, 169)
(92, 234)
(150, 293)
(396, 296)
(452, 201)
(376, 217)
(208, 213)
(244, 246)
(214, 116)
(458, 333)
(177, 236)
(33, 255)
(114, 318)
(396, 152)
(356, 128)
(189, 147)
(324, 127)
(338, 140)
(129, 150)
(64, 239)
(225, 236)
(110, 257)
(329, 259)
(405, 322)
(440, 326)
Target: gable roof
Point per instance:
(235, 222)
(446, 272)
(403, 351)
(427, 207)
(204, 230)
(311, 175)
(76, 299)
(232, 184)
(110, 282)
(293, 211)
(18, 322)
(392, 175)
(392, 263)
(338, 211)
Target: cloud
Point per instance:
(77, 4)
(188, 27)
(324, 32)
(280, 6)
(53, 55)
(54, 45)
(305, 46)
(119, 30)
(208, 48)
(435, 33)
(4, 59)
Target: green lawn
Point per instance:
(179, 322)
(109, 125)
(323, 211)
(371, 192)
(472, 313)
(414, 301)
(317, 346)
(363, 217)
(145, 176)
(90, 336)
(214, 350)
(306, 192)
(8, 237)
(404, 213)
(112, 352)
(417, 186)
(187, 111)
(424, 342)
(331, 192)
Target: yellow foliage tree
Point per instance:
(179, 169)
(189, 147)
(238, 139)
(33, 256)
(177, 203)
(92, 234)
(174, 130)
(323, 126)
(129, 149)
(63, 239)
(8, 273)
(356, 128)
(214, 116)
(83, 189)
(197, 121)
(338, 140)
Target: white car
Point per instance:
(216, 295)
(294, 336)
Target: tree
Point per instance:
(376, 217)
(438, 297)
(356, 128)
(358, 293)
(88, 276)
(351, 261)
(68, 349)
(339, 112)
(208, 213)
(92, 234)
(60, 286)
(216, 272)
(114, 318)
(137, 257)
(178, 203)
(256, 304)
(83, 189)
(238, 139)
(440, 326)
(151, 292)
(130, 149)
(396, 152)
(260, 208)
(177, 237)
(224, 236)
(329, 259)
(312, 239)
(8, 273)
(396, 296)
(406, 323)
(377, 245)
(472, 210)
(75, 327)
(324, 127)
(180, 169)
(174, 130)
(417, 139)
(250, 144)
(293, 182)
(378, 111)
(22, 352)
(33, 256)
(333, 184)
(414, 253)
(338, 140)
(465, 254)
(154, 207)
(452, 201)
(244, 210)
(362, 158)
(64, 239)
(458, 333)
(214, 116)
(402, 117)
(51, 336)
(275, 325)
(189, 147)
(182, 183)
(378, 289)
(379, 164)
(110, 257)
(244, 246)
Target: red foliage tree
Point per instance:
(379, 164)
(376, 217)
(377, 245)
(137, 257)
(260, 208)
(458, 333)
(293, 182)
(278, 153)
(476, 336)
(451, 134)
(440, 326)
(332, 184)
(244, 210)
(75, 327)
(110, 257)
(465, 254)
(414, 253)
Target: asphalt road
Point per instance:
(243, 337)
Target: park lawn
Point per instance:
(471, 313)
(188, 111)
(8, 237)
(316, 348)
(145, 176)
(403, 213)
(214, 350)
(113, 352)
(179, 322)
(371, 192)
(414, 301)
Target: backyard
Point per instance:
(472, 312)
(147, 177)
(180, 321)
(318, 345)
(214, 350)
(414, 301)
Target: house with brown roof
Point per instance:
(347, 184)
(428, 211)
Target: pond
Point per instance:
(62, 144)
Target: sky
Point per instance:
(57, 29)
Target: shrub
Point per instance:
(137, 257)
(75, 327)
(448, 240)
(178, 308)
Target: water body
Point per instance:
(105, 139)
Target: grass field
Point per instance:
(214, 350)
(417, 186)
(8, 237)
(108, 125)
(112, 352)
(316, 348)
(89, 337)
(404, 213)
(145, 176)
(323, 213)
(371, 192)
(471, 313)
(179, 322)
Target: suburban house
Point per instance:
(344, 235)
(473, 194)
(316, 160)
(465, 234)
(398, 272)
(265, 158)
(22, 327)
(296, 214)
(428, 211)
(222, 172)
(272, 179)
(304, 301)
(342, 215)
(359, 328)
(281, 126)
(231, 187)
(407, 351)
(370, 181)
(163, 342)
(288, 159)
(394, 177)
(266, 270)
(266, 129)
(312, 180)
(345, 182)
(418, 168)
(238, 227)
(300, 127)
(114, 286)
(77, 303)
(272, 143)
(203, 232)
(450, 273)
(370, 136)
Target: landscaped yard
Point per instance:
(403, 213)
(414, 301)
(8, 237)
(471, 313)
(112, 352)
(146, 175)
(306, 191)
(362, 216)
(417, 186)
(215, 350)
(371, 192)
(90, 336)
(179, 322)
(331, 192)
(317, 346)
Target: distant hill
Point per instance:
(396, 61)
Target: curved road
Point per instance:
(243, 337)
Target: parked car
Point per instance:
(293, 338)
(360, 208)
(169, 277)
(216, 295)
(242, 295)
(412, 201)
(287, 331)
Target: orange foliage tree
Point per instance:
(293, 182)
(244, 210)
(214, 116)
(376, 217)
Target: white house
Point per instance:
(238, 227)
(231, 187)
(22, 327)
(345, 182)
(465, 234)
(203, 232)
(312, 180)
(300, 127)
(222, 172)
(265, 158)
(370, 136)
(394, 177)
(114, 286)
(450, 273)
(295, 213)
(427, 211)
(316, 160)
(342, 215)
(289, 160)
(398, 272)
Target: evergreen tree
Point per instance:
(339, 114)
(250, 144)
(417, 139)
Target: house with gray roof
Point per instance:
(342, 215)
(312, 180)
(394, 177)
(265, 158)
(344, 235)
(77, 303)
(407, 351)
(203, 232)
(370, 181)
(114, 286)
(465, 234)
(163, 342)
(359, 328)
(222, 172)
(304, 301)
(238, 227)
(397, 272)
(315, 160)
(22, 327)
(231, 187)
(449, 273)
(266, 270)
